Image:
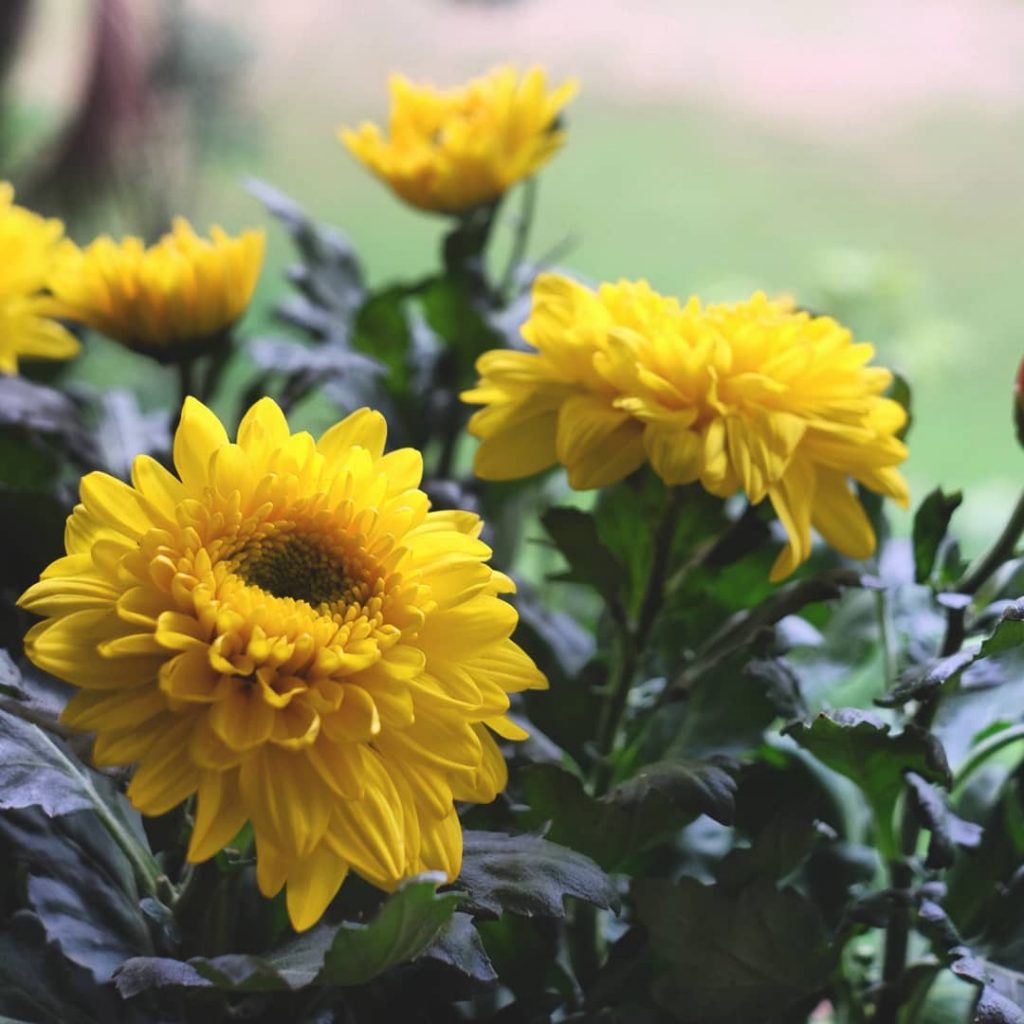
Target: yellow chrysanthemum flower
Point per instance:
(286, 630)
(756, 396)
(28, 245)
(450, 150)
(171, 300)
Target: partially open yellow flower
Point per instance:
(172, 300)
(755, 396)
(450, 150)
(286, 630)
(28, 245)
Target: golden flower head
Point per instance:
(450, 150)
(755, 396)
(28, 245)
(172, 300)
(286, 630)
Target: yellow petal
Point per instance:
(793, 500)
(313, 881)
(840, 518)
(220, 814)
(198, 436)
(364, 427)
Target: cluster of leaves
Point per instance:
(740, 802)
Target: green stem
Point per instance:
(901, 871)
(522, 236)
(984, 750)
(586, 939)
(888, 660)
(624, 661)
(630, 643)
(1001, 551)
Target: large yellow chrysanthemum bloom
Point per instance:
(755, 396)
(28, 245)
(287, 631)
(171, 300)
(450, 150)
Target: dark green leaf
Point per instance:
(612, 835)
(1002, 990)
(454, 314)
(350, 954)
(859, 745)
(406, 925)
(727, 709)
(574, 533)
(899, 391)
(732, 957)
(39, 985)
(81, 886)
(776, 852)
(37, 770)
(458, 945)
(693, 787)
(948, 831)
(1009, 633)
(384, 331)
(139, 974)
(930, 525)
(923, 681)
(527, 875)
(747, 625)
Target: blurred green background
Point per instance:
(865, 156)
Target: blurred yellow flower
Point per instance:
(754, 396)
(172, 300)
(450, 150)
(28, 245)
(286, 630)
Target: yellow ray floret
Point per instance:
(169, 300)
(286, 630)
(28, 246)
(755, 396)
(450, 150)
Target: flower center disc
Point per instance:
(296, 567)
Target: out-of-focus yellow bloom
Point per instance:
(28, 245)
(285, 629)
(754, 396)
(450, 150)
(172, 300)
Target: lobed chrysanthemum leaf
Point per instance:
(528, 876)
(732, 957)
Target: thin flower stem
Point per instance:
(1000, 552)
(587, 941)
(630, 643)
(885, 638)
(901, 871)
(522, 237)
